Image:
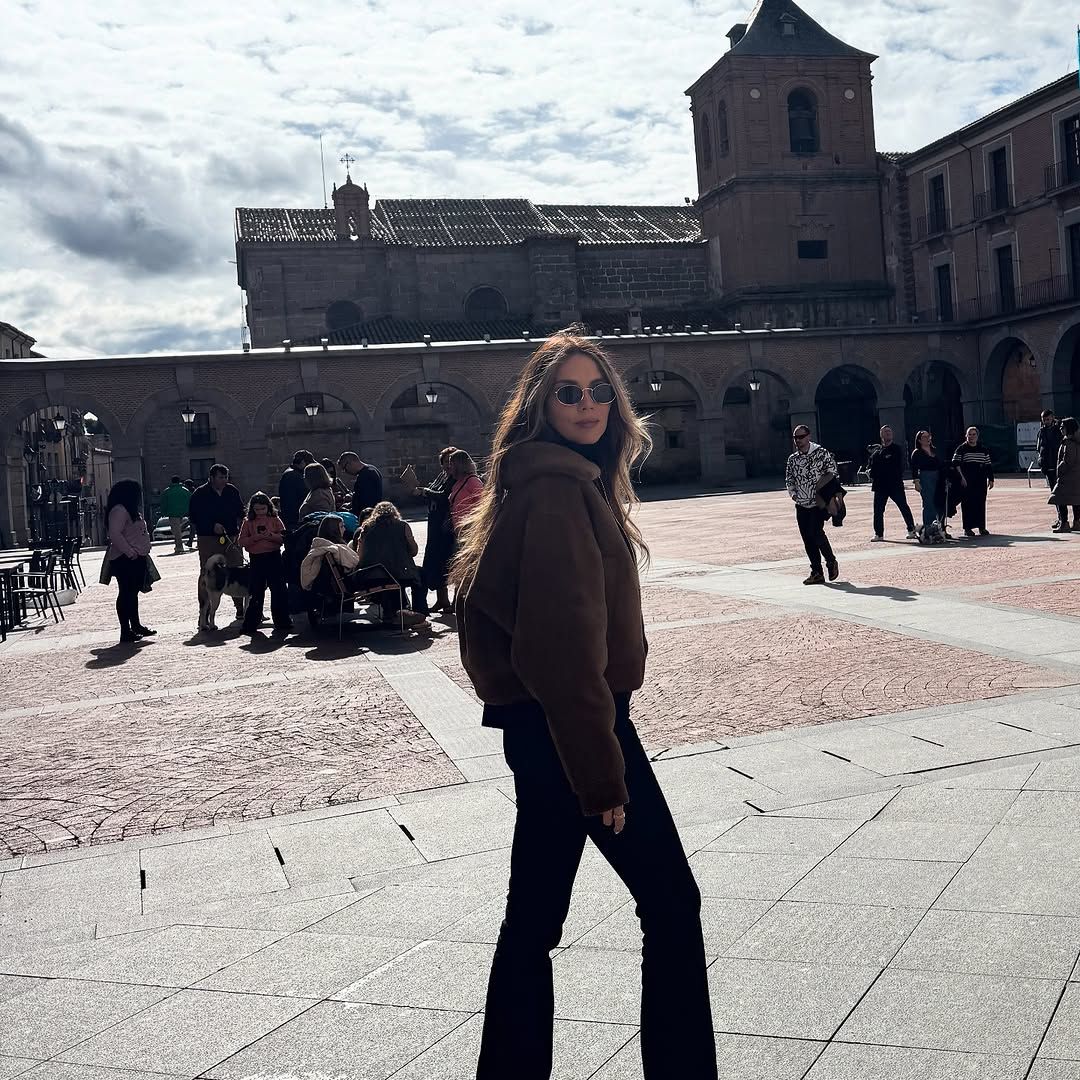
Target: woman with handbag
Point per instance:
(129, 548)
(549, 614)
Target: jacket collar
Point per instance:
(528, 460)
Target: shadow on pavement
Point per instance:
(113, 655)
(903, 595)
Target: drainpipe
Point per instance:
(978, 284)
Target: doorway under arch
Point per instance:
(673, 411)
(847, 410)
(933, 401)
(1065, 373)
(757, 422)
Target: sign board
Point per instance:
(1027, 458)
(1027, 433)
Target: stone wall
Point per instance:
(618, 277)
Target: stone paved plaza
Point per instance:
(231, 859)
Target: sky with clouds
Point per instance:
(130, 130)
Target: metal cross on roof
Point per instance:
(347, 160)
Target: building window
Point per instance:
(199, 431)
(485, 303)
(723, 143)
(999, 179)
(200, 469)
(673, 440)
(1003, 259)
(802, 122)
(943, 287)
(706, 143)
(342, 314)
(1072, 236)
(937, 211)
(1070, 148)
(787, 26)
(813, 249)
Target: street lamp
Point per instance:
(312, 408)
(656, 382)
(187, 414)
(432, 395)
(755, 382)
(60, 422)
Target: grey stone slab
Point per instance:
(700, 790)
(958, 806)
(1025, 870)
(65, 1070)
(879, 749)
(1050, 1069)
(941, 1011)
(306, 965)
(826, 933)
(58, 1013)
(846, 1061)
(848, 808)
(1049, 718)
(976, 735)
(431, 975)
(749, 875)
(739, 1057)
(722, 923)
(881, 882)
(920, 840)
(12, 1066)
(459, 822)
(209, 870)
(173, 956)
(28, 929)
(62, 892)
(697, 837)
(578, 1050)
(355, 845)
(1063, 1037)
(186, 1033)
(988, 943)
(1010, 778)
(789, 1000)
(790, 767)
(341, 1039)
(13, 985)
(602, 985)
(415, 912)
(486, 871)
(1044, 809)
(786, 836)
(1058, 774)
(486, 767)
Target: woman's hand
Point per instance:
(990, 485)
(615, 819)
(918, 486)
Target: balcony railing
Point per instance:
(995, 201)
(1060, 174)
(1026, 297)
(937, 221)
(201, 436)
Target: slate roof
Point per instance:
(764, 37)
(387, 330)
(478, 223)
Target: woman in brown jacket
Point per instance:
(549, 615)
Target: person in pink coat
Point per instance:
(129, 545)
(466, 488)
(262, 535)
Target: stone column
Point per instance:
(13, 511)
(250, 472)
(712, 444)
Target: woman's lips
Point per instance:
(586, 423)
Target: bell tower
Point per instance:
(789, 191)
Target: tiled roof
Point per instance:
(764, 35)
(389, 331)
(478, 223)
(895, 156)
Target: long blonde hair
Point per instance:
(625, 442)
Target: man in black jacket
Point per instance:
(887, 482)
(1047, 445)
(217, 512)
(291, 488)
(366, 480)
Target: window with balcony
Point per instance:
(1070, 148)
(937, 212)
(1006, 278)
(999, 179)
(943, 289)
(1072, 237)
(199, 431)
(802, 122)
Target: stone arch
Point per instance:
(675, 423)
(934, 396)
(638, 371)
(64, 399)
(172, 395)
(484, 303)
(260, 425)
(1011, 384)
(1064, 381)
(465, 387)
(757, 423)
(847, 399)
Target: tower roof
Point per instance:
(766, 35)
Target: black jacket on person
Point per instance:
(291, 491)
(887, 468)
(367, 489)
(208, 509)
(1047, 444)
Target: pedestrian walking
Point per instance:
(549, 604)
(129, 545)
(217, 511)
(262, 535)
(366, 480)
(810, 469)
(927, 470)
(291, 488)
(440, 535)
(972, 460)
(887, 482)
(175, 500)
(1047, 444)
(1066, 491)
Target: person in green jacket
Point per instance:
(174, 505)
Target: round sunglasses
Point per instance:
(571, 394)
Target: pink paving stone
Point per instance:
(1053, 598)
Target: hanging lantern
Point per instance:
(432, 395)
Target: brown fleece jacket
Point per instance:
(553, 613)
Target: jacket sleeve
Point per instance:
(789, 477)
(559, 649)
(829, 464)
(246, 536)
(119, 519)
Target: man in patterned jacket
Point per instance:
(807, 469)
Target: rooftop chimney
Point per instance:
(352, 211)
(735, 34)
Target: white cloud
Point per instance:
(129, 131)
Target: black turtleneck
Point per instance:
(593, 452)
